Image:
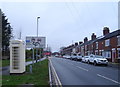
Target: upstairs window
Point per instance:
(85, 47)
(92, 46)
(118, 40)
(107, 42)
(82, 47)
(96, 45)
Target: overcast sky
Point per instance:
(61, 22)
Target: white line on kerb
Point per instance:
(56, 74)
(108, 78)
(82, 68)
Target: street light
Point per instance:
(37, 25)
(37, 38)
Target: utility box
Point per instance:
(17, 57)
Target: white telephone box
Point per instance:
(17, 57)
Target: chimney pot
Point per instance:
(76, 44)
(93, 36)
(105, 30)
(80, 42)
(85, 39)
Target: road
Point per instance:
(78, 73)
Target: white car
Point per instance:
(95, 59)
(79, 57)
(85, 59)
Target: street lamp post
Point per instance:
(37, 25)
(37, 38)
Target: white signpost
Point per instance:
(35, 42)
(39, 42)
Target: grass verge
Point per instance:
(28, 60)
(38, 78)
(6, 62)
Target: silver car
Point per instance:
(79, 57)
(74, 57)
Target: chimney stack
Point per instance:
(76, 44)
(85, 39)
(80, 42)
(105, 30)
(93, 36)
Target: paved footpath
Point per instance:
(5, 70)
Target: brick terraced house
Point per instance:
(107, 45)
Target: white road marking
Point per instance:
(81, 68)
(108, 78)
(69, 63)
(55, 74)
(50, 79)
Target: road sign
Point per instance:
(37, 42)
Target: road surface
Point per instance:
(78, 73)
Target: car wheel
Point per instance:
(95, 63)
(88, 62)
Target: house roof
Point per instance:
(107, 36)
(112, 34)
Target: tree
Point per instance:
(29, 54)
(6, 35)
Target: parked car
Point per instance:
(74, 56)
(79, 57)
(95, 59)
(85, 59)
(56, 55)
(67, 56)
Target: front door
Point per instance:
(113, 55)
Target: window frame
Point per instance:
(107, 54)
(96, 45)
(107, 42)
(118, 40)
(118, 53)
